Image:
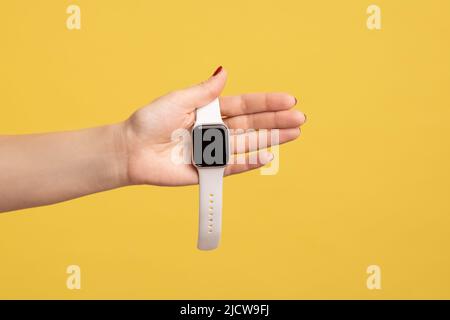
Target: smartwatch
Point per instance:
(210, 155)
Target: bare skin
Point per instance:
(42, 169)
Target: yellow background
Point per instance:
(368, 182)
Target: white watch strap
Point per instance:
(211, 182)
(210, 217)
(209, 114)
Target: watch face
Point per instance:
(210, 145)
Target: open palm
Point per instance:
(149, 130)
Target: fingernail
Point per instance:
(295, 101)
(306, 118)
(266, 157)
(217, 71)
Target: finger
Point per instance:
(203, 93)
(251, 162)
(267, 120)
(256, 102)
(256, 140)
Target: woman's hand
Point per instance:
(41, 169)
(148, 132)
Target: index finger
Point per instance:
(256, 102)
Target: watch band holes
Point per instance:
(210, 213)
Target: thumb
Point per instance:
(203, 93)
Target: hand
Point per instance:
(148, 131)
(41, 169)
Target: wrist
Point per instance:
(119, 161)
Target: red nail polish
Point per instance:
(217, 71)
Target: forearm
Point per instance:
(47, 168)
